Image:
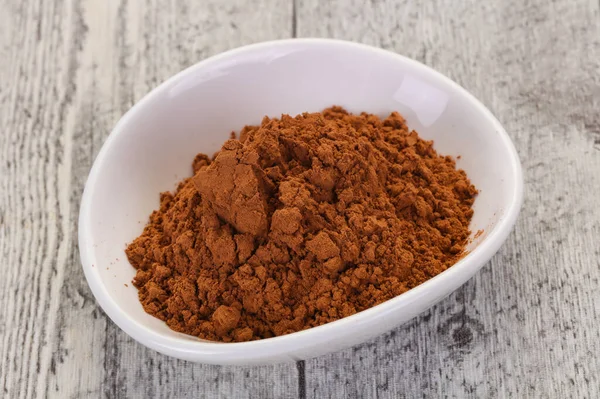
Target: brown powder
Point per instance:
(301, 222)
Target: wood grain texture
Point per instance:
(73, 69)
(525, 326)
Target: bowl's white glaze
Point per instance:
(153, 145)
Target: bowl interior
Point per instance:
(152, 147)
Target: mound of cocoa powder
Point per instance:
(302, 221)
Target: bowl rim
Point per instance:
(185, 348)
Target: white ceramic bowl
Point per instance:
(153, 145)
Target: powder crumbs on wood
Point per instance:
(302, 221)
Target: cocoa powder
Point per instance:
(302, 221)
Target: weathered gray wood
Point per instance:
(69, 71)
(526, 326)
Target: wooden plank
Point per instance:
(523, 327)
(526, 326)
(73, 69)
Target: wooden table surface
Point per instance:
(526, 326)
